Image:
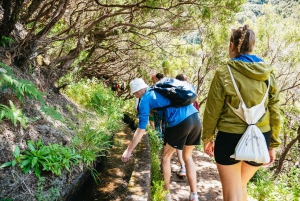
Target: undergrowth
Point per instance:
(265, 187)
(158, 191)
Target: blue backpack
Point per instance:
(180, 93)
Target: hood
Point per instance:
(254, 70)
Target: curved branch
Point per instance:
(286, 150)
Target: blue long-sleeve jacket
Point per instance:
(172, 115)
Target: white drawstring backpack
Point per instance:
(252, 146)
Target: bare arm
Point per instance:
(135, 140)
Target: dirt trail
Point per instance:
(208, 182)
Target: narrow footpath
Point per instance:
(208, 181)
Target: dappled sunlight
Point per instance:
(114, 174)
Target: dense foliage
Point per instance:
(83, 46)
(103, 40)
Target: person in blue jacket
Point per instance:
(183, 132)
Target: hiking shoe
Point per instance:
(193, 197)
(168, 197)
(181, 172)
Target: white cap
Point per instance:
(137, 84)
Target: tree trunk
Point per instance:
(286, 150)
(11, 16)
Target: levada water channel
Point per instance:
(113, 173)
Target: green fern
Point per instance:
(14, 114)
(6, 41)
(7, 69)
(20, 87)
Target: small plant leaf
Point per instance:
(31, 147)
(37, 171)
(34, 161)
(16, 152)
(25, 163)
(13, 163)
(27, 169)
(7, 164)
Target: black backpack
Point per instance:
(180, 93)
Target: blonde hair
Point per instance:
(243, 39)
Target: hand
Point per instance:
(272, 156)
(126, 155)
(209, 148)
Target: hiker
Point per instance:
(159, 123)
(183, 77)
(115, 87)
(136, 108)
(253, 79)
(183, 132)
(182, 170)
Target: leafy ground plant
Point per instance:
(21, 88)
(157, 188)
(264, 187)
(6, 41)
(39, 157)
(51, 195)
(13, 114)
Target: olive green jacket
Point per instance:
(249, 77)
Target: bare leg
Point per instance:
(167, 153)
(231, 181)
(180, 159)
(152, 124)
(190, 167)
(247, 173)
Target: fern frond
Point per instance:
(20, 87)
(4, 111)
(8, 70)
(13, 114)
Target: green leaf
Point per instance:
(67, 167)
(30, 146)
(26, 169)
(16, 152)
(13, 163)
(37, 171)
(34, 161)
(7, 164)
(25, 163)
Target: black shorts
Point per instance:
(187, 132)
(225, 145)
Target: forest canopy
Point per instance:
(102, 39)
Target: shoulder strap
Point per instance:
(234, 84)
(238, 92)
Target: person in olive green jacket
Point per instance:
(251, 76)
